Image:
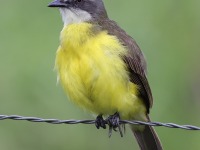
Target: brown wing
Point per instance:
(134, 59)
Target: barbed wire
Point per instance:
(133, 122)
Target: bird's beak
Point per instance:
(57, 3)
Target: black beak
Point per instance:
(57, 3)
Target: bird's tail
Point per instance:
(147, 139)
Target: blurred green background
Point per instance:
(167, 31)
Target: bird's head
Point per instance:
(76, 11)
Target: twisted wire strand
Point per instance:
(56, 121)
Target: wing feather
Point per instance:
(134, 59)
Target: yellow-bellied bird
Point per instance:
(102, 69)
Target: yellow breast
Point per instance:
(92, 72)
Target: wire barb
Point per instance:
(133, 122)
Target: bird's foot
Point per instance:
(100, 122)
(113, 123)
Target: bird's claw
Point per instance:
(113, 123)
(100, 122)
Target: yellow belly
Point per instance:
(93, 73)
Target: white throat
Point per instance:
(70, 16)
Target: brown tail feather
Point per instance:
(147, 139)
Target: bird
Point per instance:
(103, 70)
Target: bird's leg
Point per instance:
(100, 122)
(113, 122)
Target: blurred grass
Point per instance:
(168, 33)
